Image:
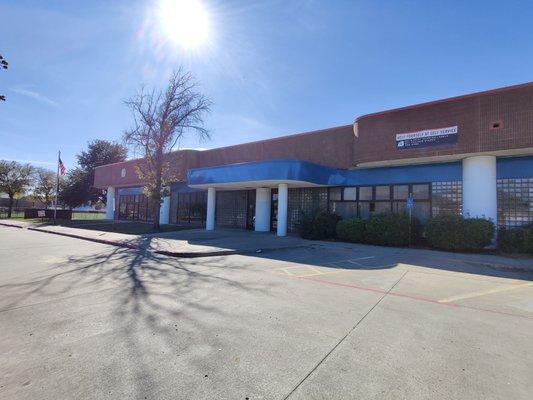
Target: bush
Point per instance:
(516, 240)
(391, 229)
(455, 233)
(321, 225)
(351, 230)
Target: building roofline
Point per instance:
(292, 135)
(243, 144)
(448, 99)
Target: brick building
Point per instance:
(470, 154)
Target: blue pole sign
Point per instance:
(410, 203)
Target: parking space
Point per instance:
(325, 321)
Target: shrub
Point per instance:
(391, 229)
(516, 240)
(320, 225)
(479, 232)
(453, 232)
(351, 230)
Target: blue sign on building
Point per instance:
(429, 137)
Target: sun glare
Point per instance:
(184, 22)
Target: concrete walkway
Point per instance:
(185, 243)
(201, 243)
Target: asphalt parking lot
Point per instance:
(81, 320)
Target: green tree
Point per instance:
(77, 189)
(160, 120)
(15, 179)
(44, 186)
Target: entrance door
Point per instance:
(250, 217)
(274, 210)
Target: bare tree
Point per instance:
(3, 64)
(15, 179)
(45, 186)
(160, 120)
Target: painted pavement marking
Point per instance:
(483, 293)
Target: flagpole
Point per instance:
(57, 185)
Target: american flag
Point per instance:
(62, 168)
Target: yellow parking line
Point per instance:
(483, 293)
(320, 273)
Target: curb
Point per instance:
(132, 246)
(11, 226)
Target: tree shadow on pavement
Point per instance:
(158, 303)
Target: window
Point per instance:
(346, 209)
(365, 193)
(421, 192)
(446, 197)
(134, 207)
(335, 193)
(401, 192)
(304, 200)
(382, 192)
(365, 201)
(350, 194)
(515, 202)
(123, 173)
(192, 207)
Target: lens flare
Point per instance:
(184, 22)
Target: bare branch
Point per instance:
(160, 120)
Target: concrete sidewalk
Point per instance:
(186, 243)
(201, 243)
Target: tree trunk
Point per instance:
(10, 207)
(157, 210)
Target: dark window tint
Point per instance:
(421, 192)
(365, 193)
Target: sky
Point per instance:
(271, 68)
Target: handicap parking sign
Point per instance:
(410, 203)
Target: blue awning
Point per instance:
(303, 171)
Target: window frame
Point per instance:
(390, 200)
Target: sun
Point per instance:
(184, 22)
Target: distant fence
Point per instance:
(30, 213)
(15, 213)
(49, 213)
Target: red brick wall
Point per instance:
(331, 147)
(473, 114)
(110, 175)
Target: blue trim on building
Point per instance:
(292, 170)
(130, 191)
(181, 187)
(284, 170)
(514, 167)
(405, 174)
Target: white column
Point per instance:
(480, 198)
(211, 207)
(262, 209)
(164, 211)
(283, 195)
(110, 203)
